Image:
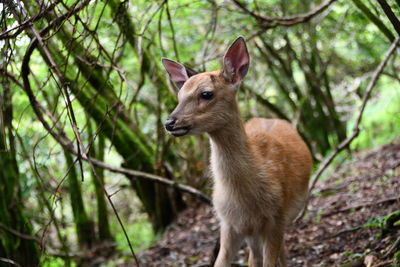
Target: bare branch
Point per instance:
(271, 22)
(374, 19)
(67, 144)
(356, 130)
(26, 23)
(25, 70)
(389, 13)
(20, 235)
(359, 206)
(171, 26)
(9, 261)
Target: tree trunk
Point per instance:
(97, 97)
(97, 151)
(13, 246)
(84, 226)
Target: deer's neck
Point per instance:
(231, 159)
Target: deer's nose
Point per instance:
(170, 123)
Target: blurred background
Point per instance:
(83, 79)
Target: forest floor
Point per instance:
(338, 230)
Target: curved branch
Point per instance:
(27, 23)
(391, 16)
(269, 105)
(68, 144)
(356, 130)
(20, 235)
(285, 21)
(150, 177)
(374, 19)
(11, 76)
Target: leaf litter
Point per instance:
(343, 225)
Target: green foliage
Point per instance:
(141, 233)
(313, 73)
(396, 259)
(375, 222)
(381, 120)
(50, 261)
(386, 223)
(351, 259)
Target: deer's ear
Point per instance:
(177, 72)
(236, 62)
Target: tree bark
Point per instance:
(23, 251)
(97, 151)
(84, 226)
(97, 97)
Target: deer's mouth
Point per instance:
(180, 131)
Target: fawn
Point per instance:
(260, 169)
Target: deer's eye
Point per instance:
(207, 95)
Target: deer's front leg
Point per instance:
(256, 251)
(230, 244)
(273, 249)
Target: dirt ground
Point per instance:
(333, 233)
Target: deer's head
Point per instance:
(206, 100)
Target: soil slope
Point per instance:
(335, 231)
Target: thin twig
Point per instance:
(171, 26)
(353, 229)
(354, 207)
(26, 23)
(25, 70)
(101, 183)
(68, 145)
(9, 261)
(345, 231)
(392, 247)
(20, 235)
(374, 19)
(285, 21)
(356, 130)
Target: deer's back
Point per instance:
(281, 153)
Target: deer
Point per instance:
(260, 169)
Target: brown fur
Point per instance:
(260, 170)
